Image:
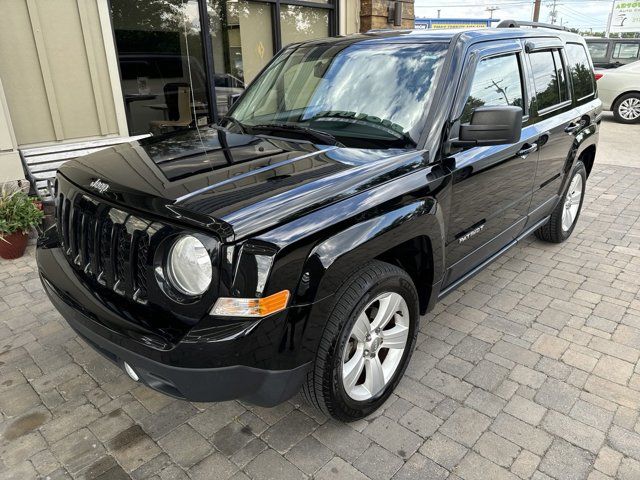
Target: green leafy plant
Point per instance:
(18, 212)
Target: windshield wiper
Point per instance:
(384, 125)
(318, 135)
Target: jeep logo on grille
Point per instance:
(99, 185)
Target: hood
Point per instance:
(232, 183)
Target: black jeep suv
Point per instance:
(296, 243)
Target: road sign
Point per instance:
(625, 16)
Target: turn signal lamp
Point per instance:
(251, 307)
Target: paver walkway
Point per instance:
(530, 370)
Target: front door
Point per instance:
(491, 186)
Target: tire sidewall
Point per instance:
(348, 408)
(578, 169)
(616, 108)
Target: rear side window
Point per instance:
(561, 76)
(496, 81)
(598, 49)
(626, 50)
(548, 78)
(580, 69)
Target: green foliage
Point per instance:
(18, 212)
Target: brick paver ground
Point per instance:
(530, 370)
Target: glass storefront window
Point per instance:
(161, 63)
(300, 23)
(172, 60)
(242, 40)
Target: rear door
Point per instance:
(556, 119)
(491, 186)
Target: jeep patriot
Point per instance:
(296, 243)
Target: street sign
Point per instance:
(625, 16)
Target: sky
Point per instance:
(581, 14)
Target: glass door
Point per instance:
(242, 43)
(162, 66)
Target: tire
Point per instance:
(554, 231)
(626, 109)
(325, 386)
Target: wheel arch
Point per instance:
(415, 233)
(414, 256)
(615, 100)
(588, 156)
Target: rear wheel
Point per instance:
(627, 108)
(366, 344)
(564, 217)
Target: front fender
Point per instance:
(333, 260)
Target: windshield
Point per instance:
(367, 96)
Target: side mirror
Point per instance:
(497, 125)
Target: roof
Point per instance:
(446, 35)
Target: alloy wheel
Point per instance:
(376, 346)
(629, 108)
(572, 202)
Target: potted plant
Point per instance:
(18, 215)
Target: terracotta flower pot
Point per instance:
(13, 245)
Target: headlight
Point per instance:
(189, 266)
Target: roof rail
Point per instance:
(518, 24)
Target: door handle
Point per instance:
(524, 151)
(572, 127)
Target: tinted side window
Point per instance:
(598, 49)
(496, 81)
(626, 50)
(562, 78)
(548, 79)
(581, 74)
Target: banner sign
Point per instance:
(626, 16)
(446, 23)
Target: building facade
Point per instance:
(74, 71)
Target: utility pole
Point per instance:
(536, 10)
(610, 20)
(491, 10)
(553, 14)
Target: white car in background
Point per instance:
(619, 90)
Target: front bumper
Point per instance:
(181, 371)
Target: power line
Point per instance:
(529, 2)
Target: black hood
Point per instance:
(235, 184)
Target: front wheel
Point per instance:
(564, 217)
(366, 344)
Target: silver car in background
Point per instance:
(619, 90)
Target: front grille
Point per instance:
(106, 244)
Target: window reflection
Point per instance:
(581, 73)
(626, 50)
(496, 82)
(241, 34)
(303, 23)
(548, 83)
(161, 63)
(598, 49)
(363, 94)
